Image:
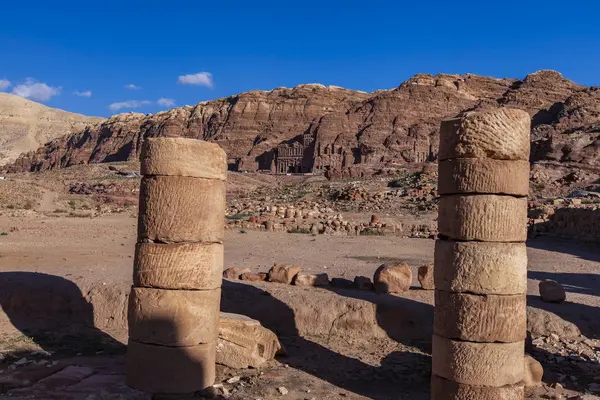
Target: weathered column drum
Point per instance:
(178, 266)
(480, 257)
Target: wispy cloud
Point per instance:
(34, 90)
(87, 93)
(131, 86)
(165, 102)
(129, 104)
(4, 84)
(199, 79)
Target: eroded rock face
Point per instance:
(349, 129)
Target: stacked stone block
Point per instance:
(174, 302)
(480, 269)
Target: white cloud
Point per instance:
(165, 102)
(34, 90)
(129, 104)
(131, 86)
(4, 84)
(201, 79)
(87, 93)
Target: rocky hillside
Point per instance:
(351, 129)
(26, 125)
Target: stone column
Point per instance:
(178, 266)
(480, 258)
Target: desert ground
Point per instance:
(90, 251)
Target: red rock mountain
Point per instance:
(347, 129)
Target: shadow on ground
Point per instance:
(52, 312)
(408, 367)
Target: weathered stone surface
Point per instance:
(178, 265)
(485, 364)
(342, 283)
(173, 317)
(425, 276)
(444, 389)
(533, 372)
(487, 176)
(235, 273)
(181, 209)
(243, 342)
(161, 369)
(552, 291)
(501, 134)
(544, 323)
(480, 318)
(481, 268)
(283, 273)
(303, 279)
(254, 277)
(183, 157)
(392, 278)
(489, 218)
(363, 283)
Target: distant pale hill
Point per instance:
(26, 125)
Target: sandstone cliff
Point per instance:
(26, 125)
(350, 129)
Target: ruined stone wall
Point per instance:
(580, 223)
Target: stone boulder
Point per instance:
(363, 283)
(533, 372)
(243, 342)
(395, 278)
(283, 273)
(254, 277)
(544, 323)
(303, 279)
(552, 291)
(342, 283)
(234, 273)
(426, 277)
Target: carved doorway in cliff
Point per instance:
(294, 169)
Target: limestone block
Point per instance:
(183, 157)
(392, 278)
(489, 218)
(426, 277)
(283, 273)
(178, 265)
(485, 364)
(472, 175)
(181, 209)
(254, 277)
(480, 267)
(534, 372)
(500, 134)
(480, 318)
(161, 369)
(363, 283)
(243, 342)
(235, 273)
(303, 279)
(174, 317)
(443, 389)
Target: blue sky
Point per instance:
(51, 49)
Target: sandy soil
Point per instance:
(101, 249)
